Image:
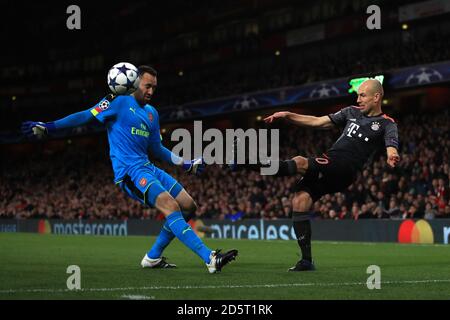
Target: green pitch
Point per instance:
(33, 266)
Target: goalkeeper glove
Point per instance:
(38, 130)
(196, 166)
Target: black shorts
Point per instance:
(326, 175)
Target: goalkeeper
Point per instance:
(133, 131)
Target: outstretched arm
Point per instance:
(102, 111)
(74, 120)
(301, 120)
(39, 129)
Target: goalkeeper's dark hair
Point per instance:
(147, 69)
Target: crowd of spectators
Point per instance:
(68, 76)
(298, 66)
(78, 183)
(243, 74)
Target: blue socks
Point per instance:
(185, 234)
(163, 240)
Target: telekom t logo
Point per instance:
(352, 128)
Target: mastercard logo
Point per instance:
(44, 226)
(415, 232)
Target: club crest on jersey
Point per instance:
(150, 116)
(142, 182)
(375, 126)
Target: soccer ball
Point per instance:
(123, 78)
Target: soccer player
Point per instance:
(133, 130)
(366, 128)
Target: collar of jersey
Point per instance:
(378, 115)
(142, 107)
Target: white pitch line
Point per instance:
(244, 286)
(136, 297)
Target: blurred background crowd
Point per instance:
(208, 49)
(205, 49)
(78, 183)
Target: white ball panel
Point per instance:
(113, 73)
(121, 79)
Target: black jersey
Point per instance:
(362, 135)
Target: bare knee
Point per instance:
(166, 204)
(187, 204)
(190, 207)
(302, 202)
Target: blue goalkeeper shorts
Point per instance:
(147, 182)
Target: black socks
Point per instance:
(302, 228)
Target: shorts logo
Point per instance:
(150, 117)
(415, 232)
(375, 126)
(322, 160)
(142, 182)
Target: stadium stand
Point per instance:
(227, 59)
(78, 182)
(210, 49)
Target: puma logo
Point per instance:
(186, 230)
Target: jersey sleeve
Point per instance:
(106, 109)
(340, 118)
(391, 135)
(74, 120)
(156, 147)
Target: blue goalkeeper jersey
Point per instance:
(133, 130)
